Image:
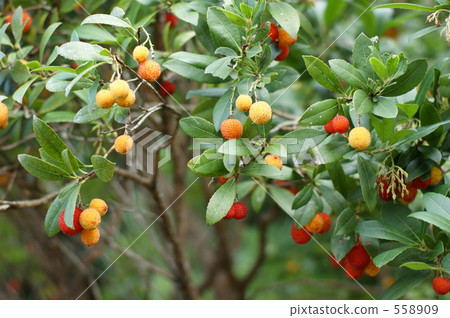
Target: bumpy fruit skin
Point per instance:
(302, 236)
(172, 19)
(128, 101)
(231, 129)
(273, 33)
(167, 88)
(329, 127)
(284, 38)
(359, 138)
(436, 175)
(240, 210)
(383, 191)
(90, 219)
(99, 205)
(260, 113)
(140, 53)
(371, 269)
(76, 223)
(4, 115)
(104, 99)
(441, 285)
(340, 124)
(353, 272)
(407, 196)
(222, 180)
(26, 18)
(243, 103)
(283, 54)
(230, 214)
(326, 222)
(149, 70)
(315, 225)
(274, 161)
(421, 184)
(90, 238)
(119, 89)
(123, 144)
(358, 257)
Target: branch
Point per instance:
(5, 205)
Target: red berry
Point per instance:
(358, 257)
(231, 213)
(421, 184)
(329, 127)
(240, 210)
(353, 272)
(383, 191)
(76, 223)
(335, 263)
(340, 124)
(222, 180)
(326, 222)
(172, 19)
(441, 285)
(409, 194)
(167, 88)
(302, 236)
(284, 53)
(273, 33)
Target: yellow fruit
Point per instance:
(359, 138)
(99, 205)
(123, 144)
(140, 53)
(128, 101)
(90, 219)
(371, 269)
(243, 103)
(90, 238)
(104, 99)
(260, 113)
(4, 114)
(316, 224)
(274, 161)
(436, 175)
(285, 39)
(119, 89)
(149, 70)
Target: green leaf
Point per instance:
(206, 92)
(20, 92)
(433, 218)
(417, 266)
(362, 102)
(419, 133)
(104, 169)
(185, 13)
(437, 203)
(319, 113)
(334, 199)
(69, 160)
(256, 169)
(181, 39)
(41, 169)
(191, 72)
(428, 80)
(333, 11)
(409, 80)
(222, 109)
(53, 102)
(361, 54)
(446, 262)
(81, 51)
(79, 76)
(383, 126)
(197, 127)
(404, 284)
(48, 139)
(220, 203)
(86, 115)
(380, 230)
(346, 222)
(300, 140)
(333, 148)
(286, 16)
(348, 73)
(224, 33)
(59, 117)
(238, 147)
(45, 37)
(235, 18)
(106, 19)
(16, 25)
(66, 200)
(220, 68)
(208, 164)
(379, 68)
(407, 6)
(19, 72)
(258, 197)
(302, 197)
(387, 256)
(341, 245)
(385, 107)
(322, 74)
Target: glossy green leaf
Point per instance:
(319, 113)
(387, 256)
(221, 202)
(302, 197)
(346, 222)
(41, 169)
(322, 74)
(106, 19)
(286, 16)
(104, 169)
(348, 73)
(197, 127)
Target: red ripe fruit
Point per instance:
(340, 124)
(353, 272)
(326, 222)
(240, 210)
(335, 263)
(383, 191)
(329, 127)
(421, 184)
(222, 180)
(231, 213)
(172, 19)
(273, 33)
(167, 88)
(76, 223)
(302, 236)
(441, 285)
(407, 196)
(284, 53)
(358, 257)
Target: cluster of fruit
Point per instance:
(356, 263)
(390, 188)
(359, 137)
(119, 92)
(4, 115)
(284, 41)
(320, 224)
(86, 221)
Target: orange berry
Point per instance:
(260, 113)
(441, 285)
(91, 237)
(301, 236)
(4, 115)
(26, 19)
(358, 257)
(243, 103)
(123, 144)
(99, 205)
(436, 175)
(326, 222)
(231, 129)
(128, 101)
(90, 219)
(119, 89)
(274, 161)
(104, 99)
(316, 224)
(149, 70)
(284, 38)
(340, 124)
(140, 53)
(371, 269)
